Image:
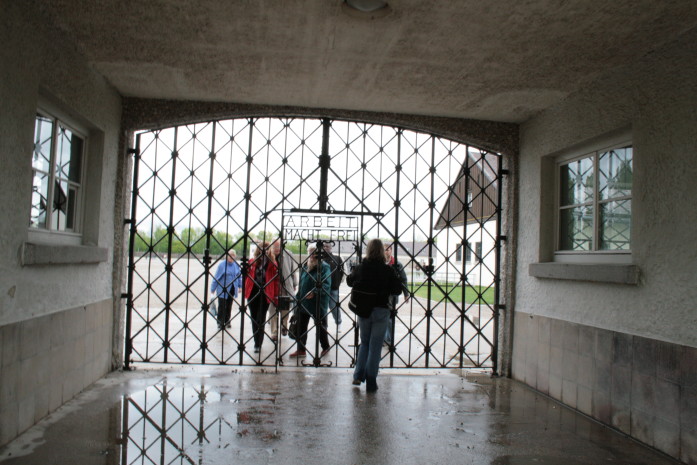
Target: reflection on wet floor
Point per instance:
(173, 424)
(222, 416)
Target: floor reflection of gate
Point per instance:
(203, 189)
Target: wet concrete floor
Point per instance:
(222, 415)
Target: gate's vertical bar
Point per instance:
(361, 238)
(170, 236)
(131, 258)
(245, 240)
(206, 251)
(395, 238)
(324, 161)
(497, 265)
(431, 208)
(464, 244)
(282, 243)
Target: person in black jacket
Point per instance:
(394, 299)
(337, 267)
(375, 277)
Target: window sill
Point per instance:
(600, 273)
(44, 254)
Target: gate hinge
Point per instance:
(505, 172)
(128, 221)
(131, 151)
(503, 238)
(125, 295)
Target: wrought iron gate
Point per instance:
(202, 190)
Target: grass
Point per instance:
(455, 293)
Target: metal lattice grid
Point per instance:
(203, 189)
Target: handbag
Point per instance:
(362, 302)
(293, 327)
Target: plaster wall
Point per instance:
(37, 63)
(655, 97)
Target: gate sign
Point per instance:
(320, 226)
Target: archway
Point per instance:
(203, 189)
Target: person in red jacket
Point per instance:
(261, 289)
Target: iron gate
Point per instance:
(201, 190)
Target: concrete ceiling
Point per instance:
(501, 60)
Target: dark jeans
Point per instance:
(224, 310)
(258, 306)
(303, 323)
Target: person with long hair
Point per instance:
(373, 277)
(313, 301)
(261, 289)
(287, 267)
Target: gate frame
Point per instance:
(147, 114)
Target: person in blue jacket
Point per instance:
(226, 281)
(312, 305)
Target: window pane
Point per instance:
(615, 225)
(60, 206)
(70, 214)
(43, 137)
(39, 200)
(576, 182)
(69, 154)
(576, 228)
(615, 173)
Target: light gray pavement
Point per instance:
(219, 415)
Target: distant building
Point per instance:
(467, 223)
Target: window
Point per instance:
(477, 251)
(458, 254)
(57, 163)
(595, 201)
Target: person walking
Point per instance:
(312, 305)
(261, 289)
(337, 268)
(289, 282)
(394, 299)
(226, 281)
(373, 277)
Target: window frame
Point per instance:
(595, 255)
(71, 236)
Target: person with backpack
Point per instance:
(373, 282)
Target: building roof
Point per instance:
(478, 177)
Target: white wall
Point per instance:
(479, 274)
(34, 60)
(657, 98)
